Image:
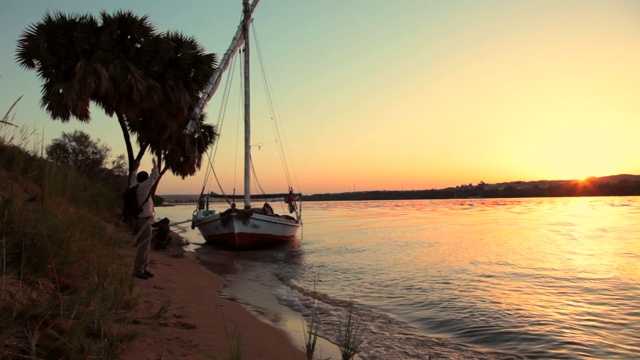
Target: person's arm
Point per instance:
(155, 174)
(146, 185)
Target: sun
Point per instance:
(583, 181)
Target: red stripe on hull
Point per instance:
(248, 241)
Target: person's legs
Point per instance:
(144, 243)
(136, 231)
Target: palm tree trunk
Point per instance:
(134, 162)
(127, 140)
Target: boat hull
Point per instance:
(239, 231)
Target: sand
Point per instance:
(181, 316)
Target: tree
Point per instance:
(118, 166)
(78, 151)
(182, 73)
(149, 81)
(132, 49)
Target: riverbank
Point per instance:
(181, 316)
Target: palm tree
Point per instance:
(80, 60)
(133, 47)
(149, 81)
(184, 157)
(182, 72)
(62, 50)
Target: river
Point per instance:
(535, 278)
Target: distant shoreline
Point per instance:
(616, 185)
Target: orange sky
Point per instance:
(413, 94)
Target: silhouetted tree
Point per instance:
(149, 81)
(78, 151)
(181, 73)
(118, 166)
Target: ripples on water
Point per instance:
(503, 278)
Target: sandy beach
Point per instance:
(181, 316)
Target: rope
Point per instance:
(255, 177)
(273, 110)
(219, 124)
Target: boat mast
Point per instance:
(247, 106)
(216, 77)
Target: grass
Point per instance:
(350, 334)
(66, 290)
(311, 332)
(234, 339)
(311, 328)
(164, 309)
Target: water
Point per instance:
(475, 278)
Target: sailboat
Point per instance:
(245, 228)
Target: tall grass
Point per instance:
(12, 134)
(234, 339)
(65, 290)
(350, 334)
(311, 328)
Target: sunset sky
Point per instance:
(407, 94)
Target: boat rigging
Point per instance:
(246, 228)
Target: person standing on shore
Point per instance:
(143, 221)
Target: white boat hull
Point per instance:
(238, 231)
